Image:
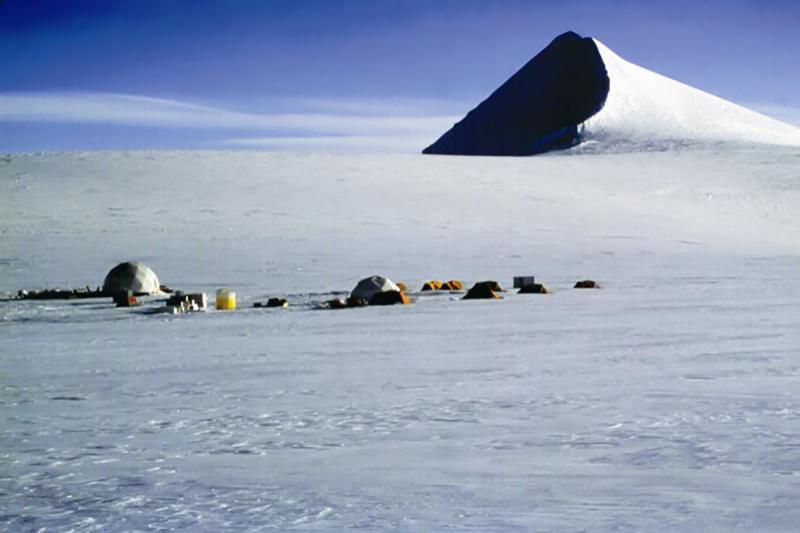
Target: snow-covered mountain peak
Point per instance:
(644, 106)
(578, 91)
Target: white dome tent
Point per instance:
(368, 287)
(132, 276)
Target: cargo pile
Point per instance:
(131, 284)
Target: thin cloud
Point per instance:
(377, 143)
(380, 106)
(132, 110)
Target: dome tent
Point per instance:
(484, 290)
(453, 285)
(432, 285)
(390, 298)
(368, 287)
(135, 277)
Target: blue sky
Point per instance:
(384, 74)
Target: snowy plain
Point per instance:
(667, 401)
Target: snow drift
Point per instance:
(577, 90)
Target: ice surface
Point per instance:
(666, 401)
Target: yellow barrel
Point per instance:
(226, 300)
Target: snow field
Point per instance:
(665, 401)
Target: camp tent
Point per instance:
(390, 298)
(368, 287)
(135, 277)
(432, 285)
(484, 290)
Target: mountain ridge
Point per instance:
(577, 89)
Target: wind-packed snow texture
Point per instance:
(578, 90)
(667, 401)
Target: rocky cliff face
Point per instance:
(539, 108)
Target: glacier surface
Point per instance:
(666, 401)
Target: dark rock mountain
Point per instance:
(539, 108)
